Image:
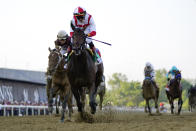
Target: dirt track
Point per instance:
(103, 122)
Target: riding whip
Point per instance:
(99, 41)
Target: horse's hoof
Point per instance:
(69, 119)
(62, 120)
(92, 112)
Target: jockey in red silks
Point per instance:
(83, 20)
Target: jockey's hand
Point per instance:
(88, 35)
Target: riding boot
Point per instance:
(98, 58)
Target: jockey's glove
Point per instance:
(88, 35)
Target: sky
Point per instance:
(161, 32)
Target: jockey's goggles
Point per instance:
(79, 14)
(62, 38)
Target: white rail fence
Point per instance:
(8, 110)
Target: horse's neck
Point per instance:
(82, 58)
(81, 64)
(175, 84)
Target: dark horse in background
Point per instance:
(192, 98)
(150, 92)
(60, 83)
(175, 91)
(82, 71)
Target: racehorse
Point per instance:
(82, 72)
(175, 91)
(192, 98)
(150, 92)
(60, 83)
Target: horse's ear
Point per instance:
(49, 49)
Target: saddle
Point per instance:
(93, 55)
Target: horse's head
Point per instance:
(79, 39)
(178, 76)
(53, 60)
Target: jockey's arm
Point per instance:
(91, 30)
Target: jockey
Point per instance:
(83, 20)
(171, 75)
(149, 73)
(64, 43)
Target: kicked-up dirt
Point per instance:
(102, 121)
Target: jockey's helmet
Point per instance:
(80, 13)
(148, 64)
(62, 35)
(174, 68)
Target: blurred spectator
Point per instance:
(16, 110)
(1, 108)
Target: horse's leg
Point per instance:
(57, 104)
(48, 87)
(64, 102)
(70, 106)
(77, 97)
(170, 102)
(92, 96)
(50, 101)
(148, 105)
(172, 105)
(145, 108)
(83, 97)
(180, 102)
(101, 100)
(156, 104)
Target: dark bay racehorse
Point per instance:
(150, 92)
(175, 91)
(82, 72)
(192, 98)
(60, 83)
